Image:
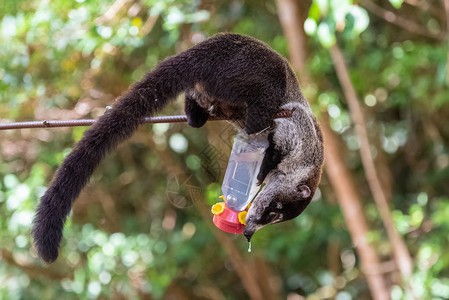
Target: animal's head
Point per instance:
(291, 185)
(281, 200)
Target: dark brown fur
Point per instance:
(231, 75)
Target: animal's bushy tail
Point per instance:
(118, 123)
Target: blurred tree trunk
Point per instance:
(382, 166)
(333, 257)
(400, 251)
(339, 175)
(350, 202)
(446, 9)
(289, 14)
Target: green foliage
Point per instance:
(396, 3)
(327, 17)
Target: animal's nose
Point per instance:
(249, 231)
(248, 234)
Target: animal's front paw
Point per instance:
(263, 172)
(198, 120)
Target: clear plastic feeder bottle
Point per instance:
(240, 182)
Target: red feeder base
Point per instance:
(228, 221)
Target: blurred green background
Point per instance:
(142, 228)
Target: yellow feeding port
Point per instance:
(242, 217)
(218, 208)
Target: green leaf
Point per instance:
(310, 26)
(326, 35)
(314, 12)
(323, 5)
(361, 18)
(396, 3)
(78, 132)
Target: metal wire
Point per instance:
(89, 122)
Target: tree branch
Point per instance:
(111, 12)
(148, 25)
(426, 6)
(400, 251)
(32, 271)
(350, 203)
(402, 22)
(289, 11)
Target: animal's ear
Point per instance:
(304, 191)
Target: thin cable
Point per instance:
(89, 122)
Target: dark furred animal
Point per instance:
(228, 75)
